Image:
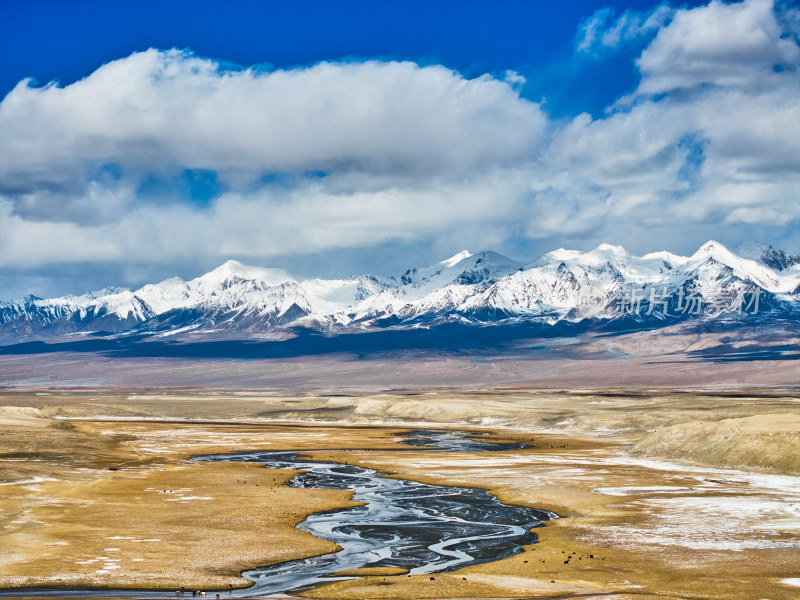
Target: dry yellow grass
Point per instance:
(117, 504)
(619, 412)
(769, 442)
(633, 529)
(626, 542)
(197, 525)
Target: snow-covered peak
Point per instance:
(233, 268)
(561, 285)
(106, 291)
(166, 295)
(604, 254)
(232, 283)
(166, 284)
(718, 252)
(601, 254)
(753, 250)
(604, 261)
(456, 258)
(331, 296)
(610, 249)
(560, 255)
(715, 250)
(743, 268)
(768, 256)
(462, 269)
(673, 260)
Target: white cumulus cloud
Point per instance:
(710, 138)
(741, 44)
(344, 156)
(160, 111)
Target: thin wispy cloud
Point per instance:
(605, 30)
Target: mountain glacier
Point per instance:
(598, 288)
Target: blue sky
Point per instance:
(339, 137)
(65, 41)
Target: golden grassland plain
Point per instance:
(106, 496)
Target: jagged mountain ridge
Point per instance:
(603, 285)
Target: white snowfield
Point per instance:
(562, 285)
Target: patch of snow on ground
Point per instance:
(644, 489)
(33, 480)
(183, 499)
(725, 509)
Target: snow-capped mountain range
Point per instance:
(601, 286)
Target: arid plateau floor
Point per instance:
(661, 495)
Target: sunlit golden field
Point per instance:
(650, 505)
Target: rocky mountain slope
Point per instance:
(600, 288)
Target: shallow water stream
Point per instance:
(414, 526)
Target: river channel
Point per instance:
(421, 528)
